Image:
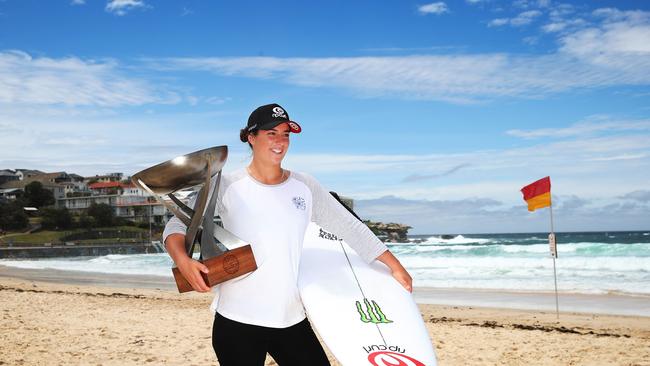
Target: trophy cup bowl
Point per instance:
(185, 171)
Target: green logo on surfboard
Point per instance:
(372, 314)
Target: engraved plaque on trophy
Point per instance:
(186, 171)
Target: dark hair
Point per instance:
(243, 135)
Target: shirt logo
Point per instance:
(299, 202)
(279, 112)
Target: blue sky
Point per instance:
(432, 114)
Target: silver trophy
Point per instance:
(190, 170)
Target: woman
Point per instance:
(270, 208)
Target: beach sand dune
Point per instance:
(61, 324)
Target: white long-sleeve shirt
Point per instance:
(273, 219)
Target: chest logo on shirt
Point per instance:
(299, 202)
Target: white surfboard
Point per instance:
(364, 316)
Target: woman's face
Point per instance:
(270, 146)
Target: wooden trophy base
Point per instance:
(224, 267)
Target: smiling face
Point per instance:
(270, 146)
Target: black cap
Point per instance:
(268, 116)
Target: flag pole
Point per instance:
(554, 255)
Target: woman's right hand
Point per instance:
(191, 270)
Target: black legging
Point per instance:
(240, 344)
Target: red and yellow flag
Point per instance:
(538, 194)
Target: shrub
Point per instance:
(102, 213)
(56, 218)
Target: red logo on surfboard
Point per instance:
(385, 358)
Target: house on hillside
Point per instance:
(127, 200)
(106, 188)
(7, 175)
(110, 177)
(9, 194)
(60, 183)
(27, 173)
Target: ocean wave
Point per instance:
(584, 249)
(587, 262)
(603, 264)
(135, 264)
(458, 239)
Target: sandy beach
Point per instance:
(136, 320)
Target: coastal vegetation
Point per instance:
(99, 235)
(12, 216)
(31, 219)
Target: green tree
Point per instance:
(12, 216)
(56, 218)
(37, 196)
(102, 214)
(86, 222)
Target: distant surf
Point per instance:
(598, 262)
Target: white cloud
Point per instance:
(439, 49)
(532, 40)
(192, 100)
(71, 81)
(420, 177)
(607, 35)
(217, 100)
(78, 2)
(522, 19)
(121, 7)
(561, 11)
(619, 43)
(641, 195)
(624, 33)
(434, 8)
(57, 141)
(482, 215)
(76, 141)
(195, 100)
(613, 15)
(614, 51)
(582, 129)
(451, 78)
(85, 143)
(621, 157)
(525, 18)
(562, 18)
(554, 27)
(498, 22)
(496, 173)
(527, 4)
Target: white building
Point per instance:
(127, 200)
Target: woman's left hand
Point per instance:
(397, 270)
(404, 278)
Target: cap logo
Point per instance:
(279, 112)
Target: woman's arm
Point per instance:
(332, 216)
(189, 267)
(174, 239)
(397, 270)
